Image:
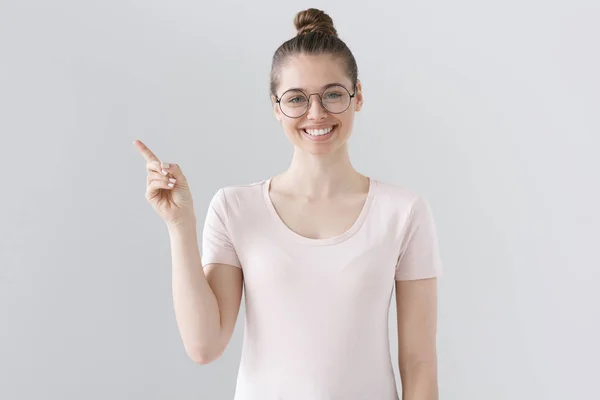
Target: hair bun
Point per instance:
(313, 20)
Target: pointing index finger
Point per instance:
(146, 153)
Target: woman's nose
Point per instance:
(315, 108)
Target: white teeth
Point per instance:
(318, 132)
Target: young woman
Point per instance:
(317, 248)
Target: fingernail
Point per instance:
(172, 180)
(165, 165)
(171, 185)
(164, 172)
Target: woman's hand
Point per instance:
(167, 189)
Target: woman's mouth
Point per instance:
(321, 134)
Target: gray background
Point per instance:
(490, 109)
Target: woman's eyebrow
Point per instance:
(324, 87)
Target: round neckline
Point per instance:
(323, 241)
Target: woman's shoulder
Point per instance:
(395, 191)
(398, 195)
(240, 195)
(243, 188)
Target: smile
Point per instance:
(321, 133)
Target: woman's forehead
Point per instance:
(312, 72)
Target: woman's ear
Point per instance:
(358, 96)
(276, 109)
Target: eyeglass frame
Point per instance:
(278, 99)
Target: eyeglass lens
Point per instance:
(335, 99)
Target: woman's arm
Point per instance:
(416, 303)
(206, 300)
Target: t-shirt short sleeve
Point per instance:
(217, 245)
(419, 256)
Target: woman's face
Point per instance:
(316, 74)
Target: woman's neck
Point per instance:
(321, 176)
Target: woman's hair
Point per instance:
(315, 35)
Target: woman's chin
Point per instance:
(321, 148)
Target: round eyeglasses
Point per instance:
(294, 103)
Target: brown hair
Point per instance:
(315, 35)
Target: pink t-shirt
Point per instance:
(317, 309)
